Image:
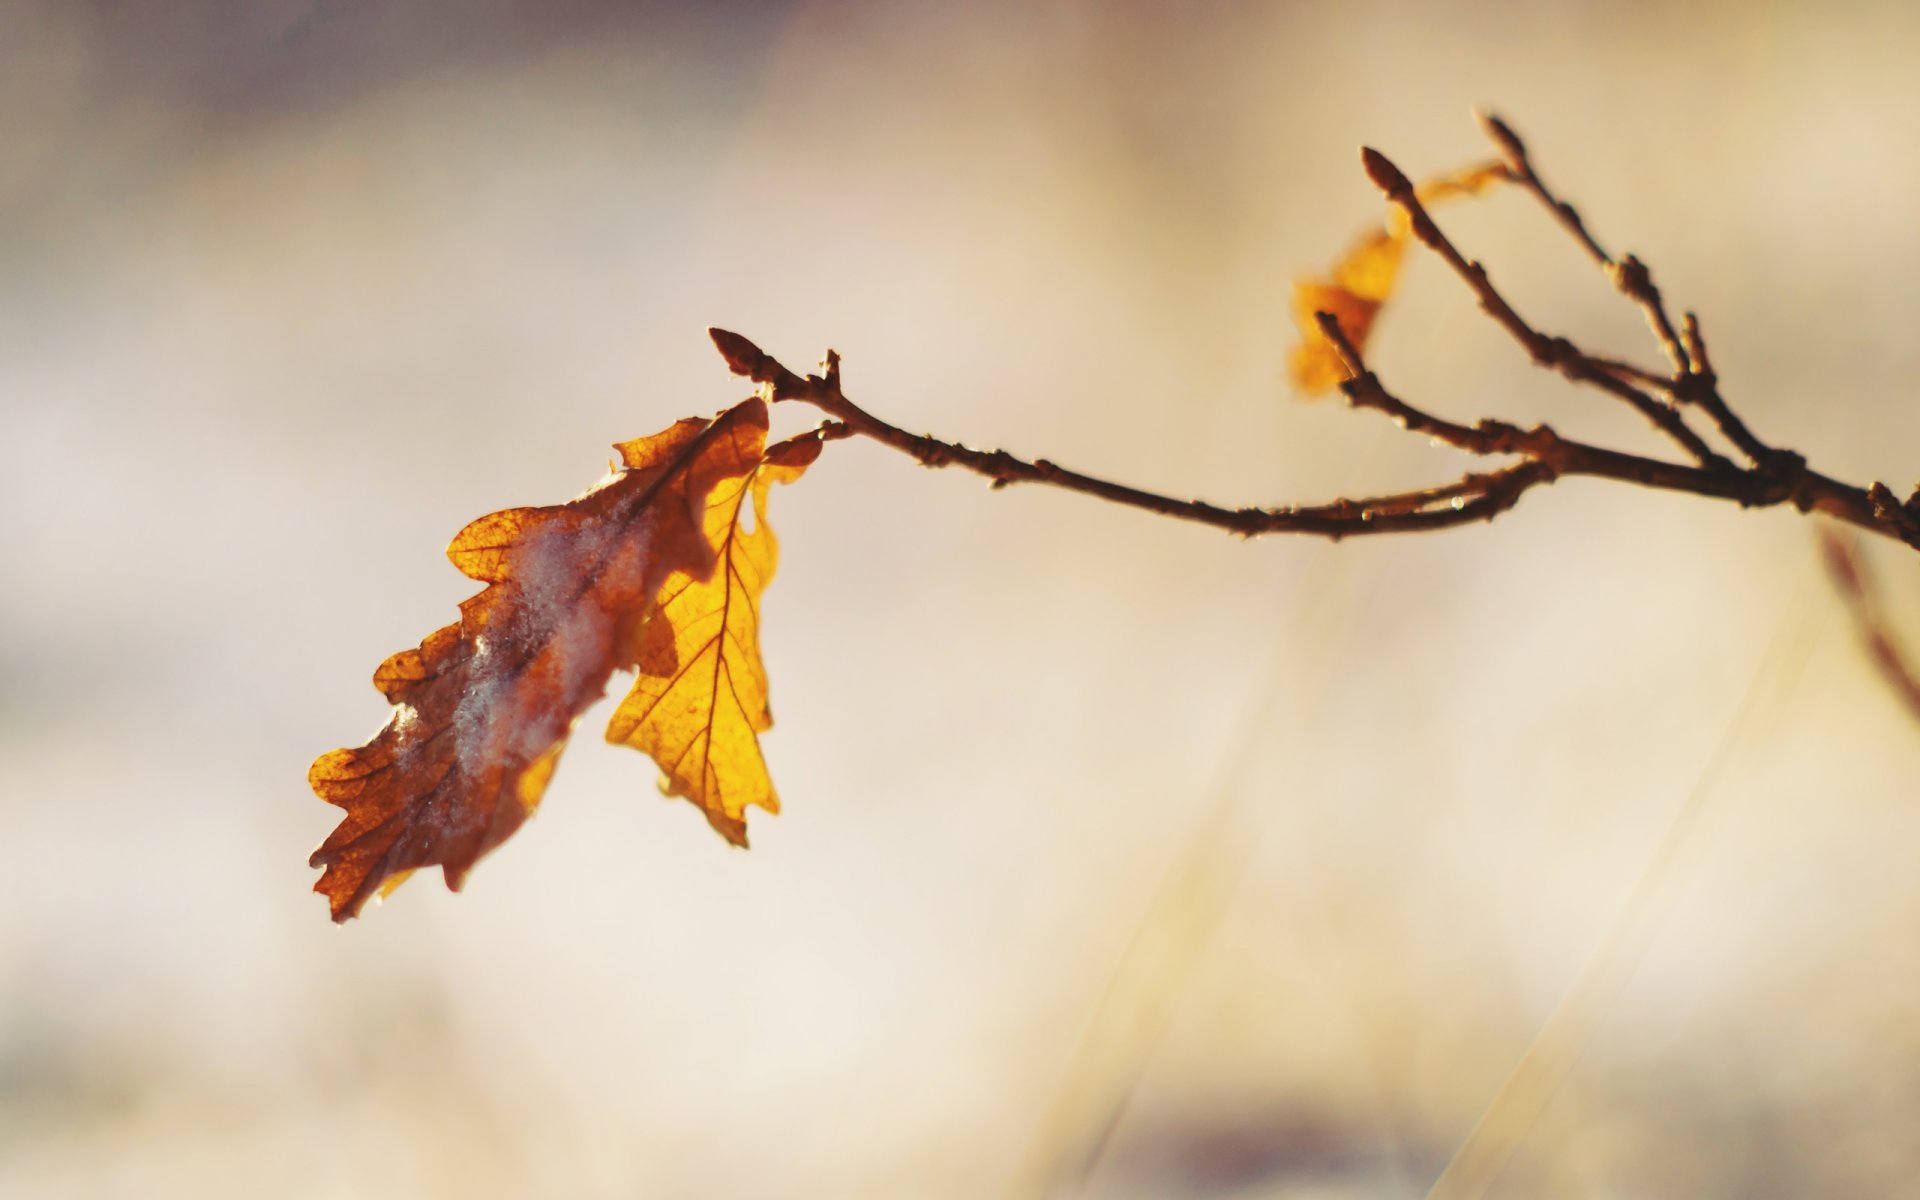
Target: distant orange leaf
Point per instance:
(1354, 291)
(484, 706)
(699, 703)
(1363, 281)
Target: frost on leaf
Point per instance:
(1363, 281)
(699, 703)
(483, 707)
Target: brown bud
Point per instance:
(1631, 276)
(1387, 177)
(743, 357)
(1504, 137)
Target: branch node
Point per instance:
(1554, 351)
(1631, 276)
(1894, 515)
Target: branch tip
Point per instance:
(1696, 345)
(743, 357)
(1775, 476)
(1502, 135)
(1387, 177)
(1342, 344)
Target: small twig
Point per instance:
(1702, 387)
(1555, 352)
(1629, 274)
(1635, 281)
(1631, 372)
(1548, 456)
(1696, 344)
(1808, 491)
(1514, 151)
(1775, 477)
(1848, 570)
(1693, 381)
(1405, 512)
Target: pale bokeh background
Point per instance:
(290, 291)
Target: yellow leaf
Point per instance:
(1359, 284)
(699, 710)
(1363, 281)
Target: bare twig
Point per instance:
(1774, 477)
(1554, 352)
(1847, 567)
(1629, 274)
(1533, 456)
(1476, 498)
(1631, 372)
(1758, 487)
(1693, 380)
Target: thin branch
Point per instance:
(1696, 344)
(1477, 498)
(1702, 387)
(1808, 491)
(1554, 352)
(1514, 151)
(1693, 380)
(1775, 477)
(1547, 456)
(1629, 274)
(1848, 570)
(1631, 372)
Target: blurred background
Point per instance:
(1120, 858)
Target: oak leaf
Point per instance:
(483, 708)
(1363, 281)
(700, 718)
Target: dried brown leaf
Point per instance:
(483, 708)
